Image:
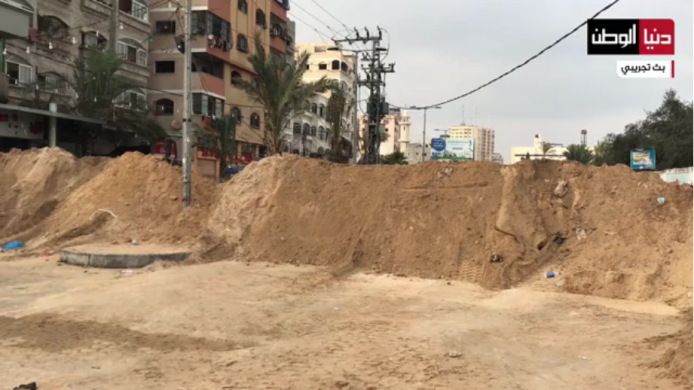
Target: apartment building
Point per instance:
(37, 64)
(223, 39)
(397, 127)
(336, 66)
(484, 139)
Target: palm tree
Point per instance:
(280, 88)
(580, 153)
(336, 112)
(219, 136)
(546, 148)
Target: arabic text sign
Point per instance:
(460, 149)
(631, 36)
(643, 159)
(646, 69)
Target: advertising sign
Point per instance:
(643, 159)
(455, 149)
(631, 37)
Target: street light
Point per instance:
(424, 133)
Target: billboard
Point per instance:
(643, 159)
(455, 149)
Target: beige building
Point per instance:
(498, 158)
(536, 152)
(334, 65)
(484, 139)
(397, 126)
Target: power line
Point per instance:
(314, 17)
(331, 15)
(321, 35)
(522, 64)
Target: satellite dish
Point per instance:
(176, 125)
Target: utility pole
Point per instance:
(114, 25)
(187, 108)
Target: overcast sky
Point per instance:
(443, 48)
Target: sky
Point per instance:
(444, 48)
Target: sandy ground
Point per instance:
(230, 325)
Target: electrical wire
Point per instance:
(610, 5)
(320, 34)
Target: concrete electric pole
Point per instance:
(187, 110)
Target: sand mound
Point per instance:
(606, 233)
(134, 196)
(439, 220)
(676, 362)
(33, 182)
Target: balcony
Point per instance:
(211, 34)
(208, 74)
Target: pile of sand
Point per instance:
(677, 362)
(606, 235)
(131, 197)
(439, 220)
(34, 182)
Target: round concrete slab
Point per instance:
(121, 256)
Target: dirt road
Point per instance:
(229, 325)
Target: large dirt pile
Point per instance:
(446, 220)
(33, 182)
(131, 197)
(677, 362)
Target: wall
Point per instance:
(684, 175)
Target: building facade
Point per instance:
(484, 139)
(334, 65)
(39, 65)
(223, 39)
(498, 158)
(396, 126)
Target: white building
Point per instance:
(535, 152)
(335, 66)
(484, 139)
(397, 127)
(498, 158)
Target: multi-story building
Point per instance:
(335, 66)
(311, 134)
(223, 38)
(498, 158)
(396, 126)
(39, 64)
(484, 139)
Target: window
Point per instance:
(297, 128)
(314, 108)
(132, 99)
(323, 66)
(236, 112)
(131, 52)
(164, 107)
(307, 107)
(134, 8)
(321, 111)
(308, 67)
(306, 129)
(165, 67)
(313, 131)
(53, 84)
(208, 64)
(243, 6)
(260, 20)
(19, 74)
(207, 105)
(344, 67)
(52, 26)
(255, 121)
(235, 77)
(92, 41)
(166, 27)
(242, 43)
(336, 65)
(321, 133)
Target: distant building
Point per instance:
(484, 140)
(498, 158)
(535, 152)
(413, 153)
(397, 126)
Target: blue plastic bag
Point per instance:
(12, 245)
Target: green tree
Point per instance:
(579, 152)
(280, 88)
(668, 129)
(219, 136)
(100, 92)
(395, 158)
